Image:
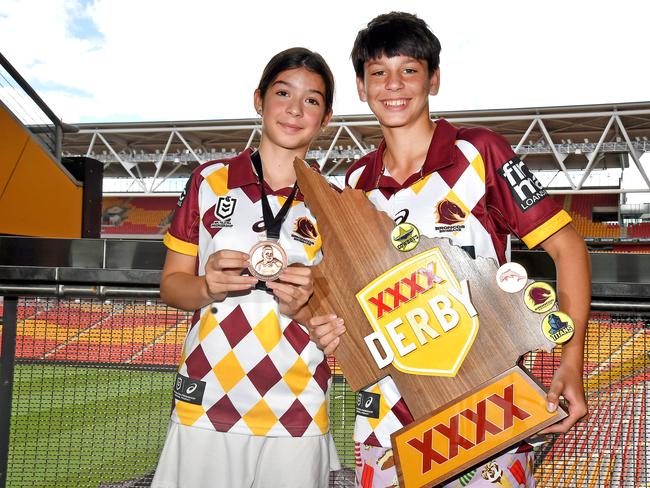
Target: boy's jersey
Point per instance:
(471, 189)
(246, 368)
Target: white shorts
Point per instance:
(200, 458)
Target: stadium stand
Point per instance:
(639, 230)
(107, 333)
(149, 335)
(151, 216)
(581, 208)
(137, 215)
(92, 376)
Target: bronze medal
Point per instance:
(268, 260)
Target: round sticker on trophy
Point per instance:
(405, 237)
(512, 277)
(268, 259)
(558, 327)
(539, 297)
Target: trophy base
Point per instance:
(486, 421)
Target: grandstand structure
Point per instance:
(573, 141)
(593, 158)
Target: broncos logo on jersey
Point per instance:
(450, 213)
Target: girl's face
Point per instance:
(293, 109)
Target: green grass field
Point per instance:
(76, 426)
(342, 403)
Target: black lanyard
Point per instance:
(272, 224)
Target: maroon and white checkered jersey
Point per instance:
(473, 190)
(246, 368)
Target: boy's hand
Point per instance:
(325, 331)
(223, 271)
(567, 382)
(293, 288)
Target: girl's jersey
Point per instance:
(471, 189)
(246, 368)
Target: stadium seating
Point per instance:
(639, 230)
(113, 332)
(137, 215)
(616, 385)
(580, 207)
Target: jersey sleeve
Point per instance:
(355, 175)
(515, 197)
(183, 233)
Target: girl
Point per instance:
(251, 393)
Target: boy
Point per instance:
(464, 184)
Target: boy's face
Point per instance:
(397, 89)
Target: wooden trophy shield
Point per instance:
(436, 321)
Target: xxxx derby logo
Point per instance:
(423, 318)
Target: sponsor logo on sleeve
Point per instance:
(368, 404)
(188, 390)
(524, 187)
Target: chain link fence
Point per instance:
(92, 396)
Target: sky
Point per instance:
(145, 60)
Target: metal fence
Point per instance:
(92, 385)
(86, 373)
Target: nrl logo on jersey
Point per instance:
(525, 188)
(451, 216)
(223, 211)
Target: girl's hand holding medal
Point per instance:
(293, 288)
(223, 274)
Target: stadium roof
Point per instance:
(581, 137)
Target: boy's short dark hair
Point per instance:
(394, 34)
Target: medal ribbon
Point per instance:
(271, 223)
